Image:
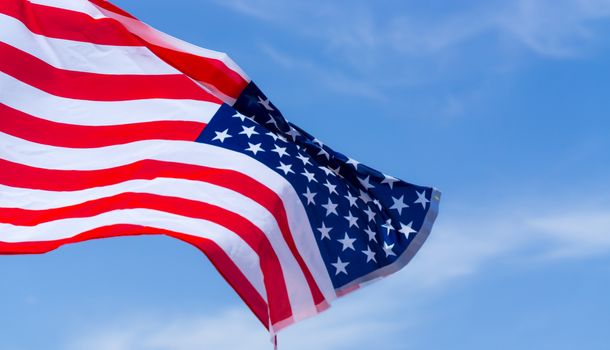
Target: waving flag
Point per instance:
(111, 128)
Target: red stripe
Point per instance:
(217, 256)
(232, 275)
(204, 69)
(110, 7)
(251, 234)
(207, 70)
(25, 126)
(97, 87)
(63, 24)
(18, 175)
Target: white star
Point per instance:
(388, 249)
(336, 170)
(370, 213)
(347, 242)
(340, 266)
(365, 183)
(325, 231)
(294, 133)
(352, 200)
(388, 226)
(421, 199)
(371, 234)
(353, 221)
(272, 121)
(389, 180)
(370, 255)
(255, 148)
(407, 229)
(324, 153)
(352, 162)
(281, 151)
(331, 208)
(327, 171)
(240, 116)
(320, 143)
(331, 187)
(265, 103)
(399, 204)
(286, 168)
(310, 176)
(309, 195)
(222, 135)
(365, 196)
(377, 203)
(248, 131)
(303, 159)
(273, 135)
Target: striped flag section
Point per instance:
(109, 128)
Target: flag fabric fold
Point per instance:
(111, 128)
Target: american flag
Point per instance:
(111, 128)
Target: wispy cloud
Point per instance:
(551, 28)
(466, 246)
(233, 329)
(575, 234)
(332, 79)
(555, 28)
(391, 52)
(178, 333)
(460, 248)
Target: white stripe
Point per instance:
(159, 38)
(72, 5)
(244, 257)
(41, 104)
(82, 56)
(193, 190)
(214, 91)
(42, 156)
(142, 30)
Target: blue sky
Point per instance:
(502, 105)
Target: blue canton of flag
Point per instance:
(367, 224)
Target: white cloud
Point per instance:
(230, 330)
(575, 234)
(548, 27)
(257, 9)
(234, 329)
(555, 28)
(332, 79)
(364, 49)
(458, 249)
